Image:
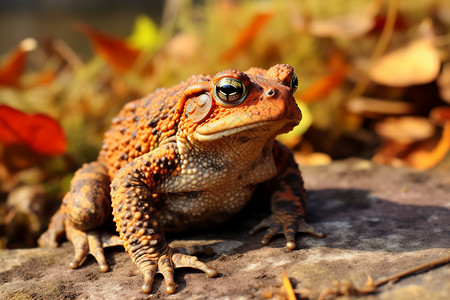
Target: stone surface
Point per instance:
(379, 221)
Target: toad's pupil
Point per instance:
(230, 92)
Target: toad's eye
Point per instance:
(230, 91)
(294, 83)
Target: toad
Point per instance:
(187, 157)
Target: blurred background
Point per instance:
(374, 81)
(43, 19)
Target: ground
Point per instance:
(379, 221)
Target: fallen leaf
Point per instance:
(417, 63)
(40, 132)
(115, 50)
(14, 66)
(424, 160)
(402, 136)
(405, 130)
(312, 159)
(246, 36)
(287, 286)
(392, 154)
(324, 85)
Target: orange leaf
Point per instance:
(40, 132)
(246, 35)
(287, 286)
(324, 85)
(13, 67)
(424, 160)
(116, 51)
(45, 78)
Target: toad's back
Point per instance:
(142, 125)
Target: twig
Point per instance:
(418, 269)
(346, 288)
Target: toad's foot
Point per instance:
(285, 224)
(165, 264)
(91, 242)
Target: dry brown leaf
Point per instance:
(417, 63)
(410, 141)
(405, 130)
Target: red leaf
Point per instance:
(40, 132)
(12, 69)
(116, 51)
(247, 35)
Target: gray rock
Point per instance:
(379, 221)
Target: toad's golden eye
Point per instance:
(230, 91)
(294, 83)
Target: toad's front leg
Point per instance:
(288, 202)
(135, 210)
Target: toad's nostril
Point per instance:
(270, 92)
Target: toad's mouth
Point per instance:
(268, 128)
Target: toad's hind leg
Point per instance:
(85, 208)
